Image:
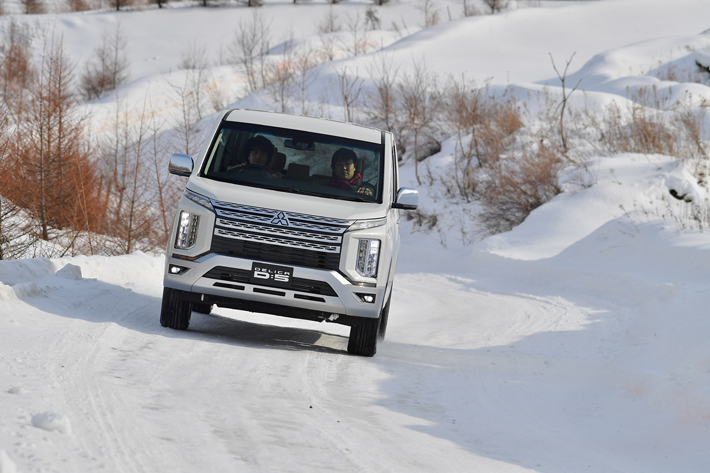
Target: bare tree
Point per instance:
(108, 68)
(194, 60)
(372, 20)
(250, 44)
(15, 231)
(463, 111)
(120, 3)
(355, 25)
(166, 191)
(328, 43)
(350, 87)
(329, 23)
(16, 70)
(565, 97)
(77, 5)
(282, 77)
(184, 119)
(305, 75)
(32, 7)
(496, 6)
(420, 100)
(430, 11)
(382, 102)
(53, 157)
(137, 218)
(142, 198)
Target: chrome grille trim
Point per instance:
(290, 215)
(294, 222)
(302, 239)
(279, 231)
(237, 235)
(243, 216)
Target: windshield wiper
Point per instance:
(284, 189)
(291, 190)
(353, 198)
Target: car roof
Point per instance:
(310, 124)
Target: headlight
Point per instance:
(187, 230)
(368, 253)
(364, 224)
(199, 199)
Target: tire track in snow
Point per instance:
(102, 406)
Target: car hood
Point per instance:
(277, 200)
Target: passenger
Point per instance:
(344, 165)
(345, 176)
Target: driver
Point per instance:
(259, 151)
(345, 176)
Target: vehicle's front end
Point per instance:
(286, 244)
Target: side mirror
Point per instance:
(407, 199)
(180, 165)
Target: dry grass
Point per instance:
(517, 187)
(644, 133)
(423, 219)
(484, 128)
(651, 125)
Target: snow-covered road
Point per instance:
(491, 364)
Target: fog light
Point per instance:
(175, 269)
(368, 298)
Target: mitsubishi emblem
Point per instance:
(280, 219)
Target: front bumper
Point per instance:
(341, 305)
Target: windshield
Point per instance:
(295, 161)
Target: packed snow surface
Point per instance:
(575, 343)
(508, 357)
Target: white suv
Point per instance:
(291, 216)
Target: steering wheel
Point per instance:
(252, 170)
(366, 189)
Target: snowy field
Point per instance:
(575, 343)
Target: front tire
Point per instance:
(384, 317)
(175, 312)
(363, 337)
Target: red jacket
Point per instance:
(353, 184)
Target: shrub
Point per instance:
(515, 188)
(484, 128)
(652, 125)
(108, 68)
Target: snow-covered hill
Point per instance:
(574, 343)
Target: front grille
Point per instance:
(310, 286)
(278, 237)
